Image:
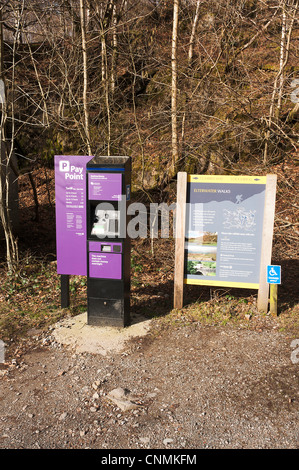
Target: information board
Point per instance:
(70, 191)
(224, 232)
(224, 226)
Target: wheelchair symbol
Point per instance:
(272, 272)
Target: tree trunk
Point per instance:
(114, 50)
(289, 10)
(5, 157)
(85, 76)
(174, 123)
(105, 81)
(192, 37)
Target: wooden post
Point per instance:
(180, 239)
(268, 225)
(273, 298)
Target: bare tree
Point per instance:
(85, 73)
(114, 49)
(174, 92)
(6, 156)
(289, 11)
(192, 36)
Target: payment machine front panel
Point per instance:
(108, 247)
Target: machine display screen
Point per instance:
(106, 248)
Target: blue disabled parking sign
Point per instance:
(274, 274)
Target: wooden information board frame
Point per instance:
(266, 244)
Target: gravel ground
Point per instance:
(187, 387)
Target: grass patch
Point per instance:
(233, 312)
(30, 297)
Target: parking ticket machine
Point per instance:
(108, 246)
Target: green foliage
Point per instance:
(191, 267)
(136, 264)
(51, 146)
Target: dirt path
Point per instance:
(193, 387)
